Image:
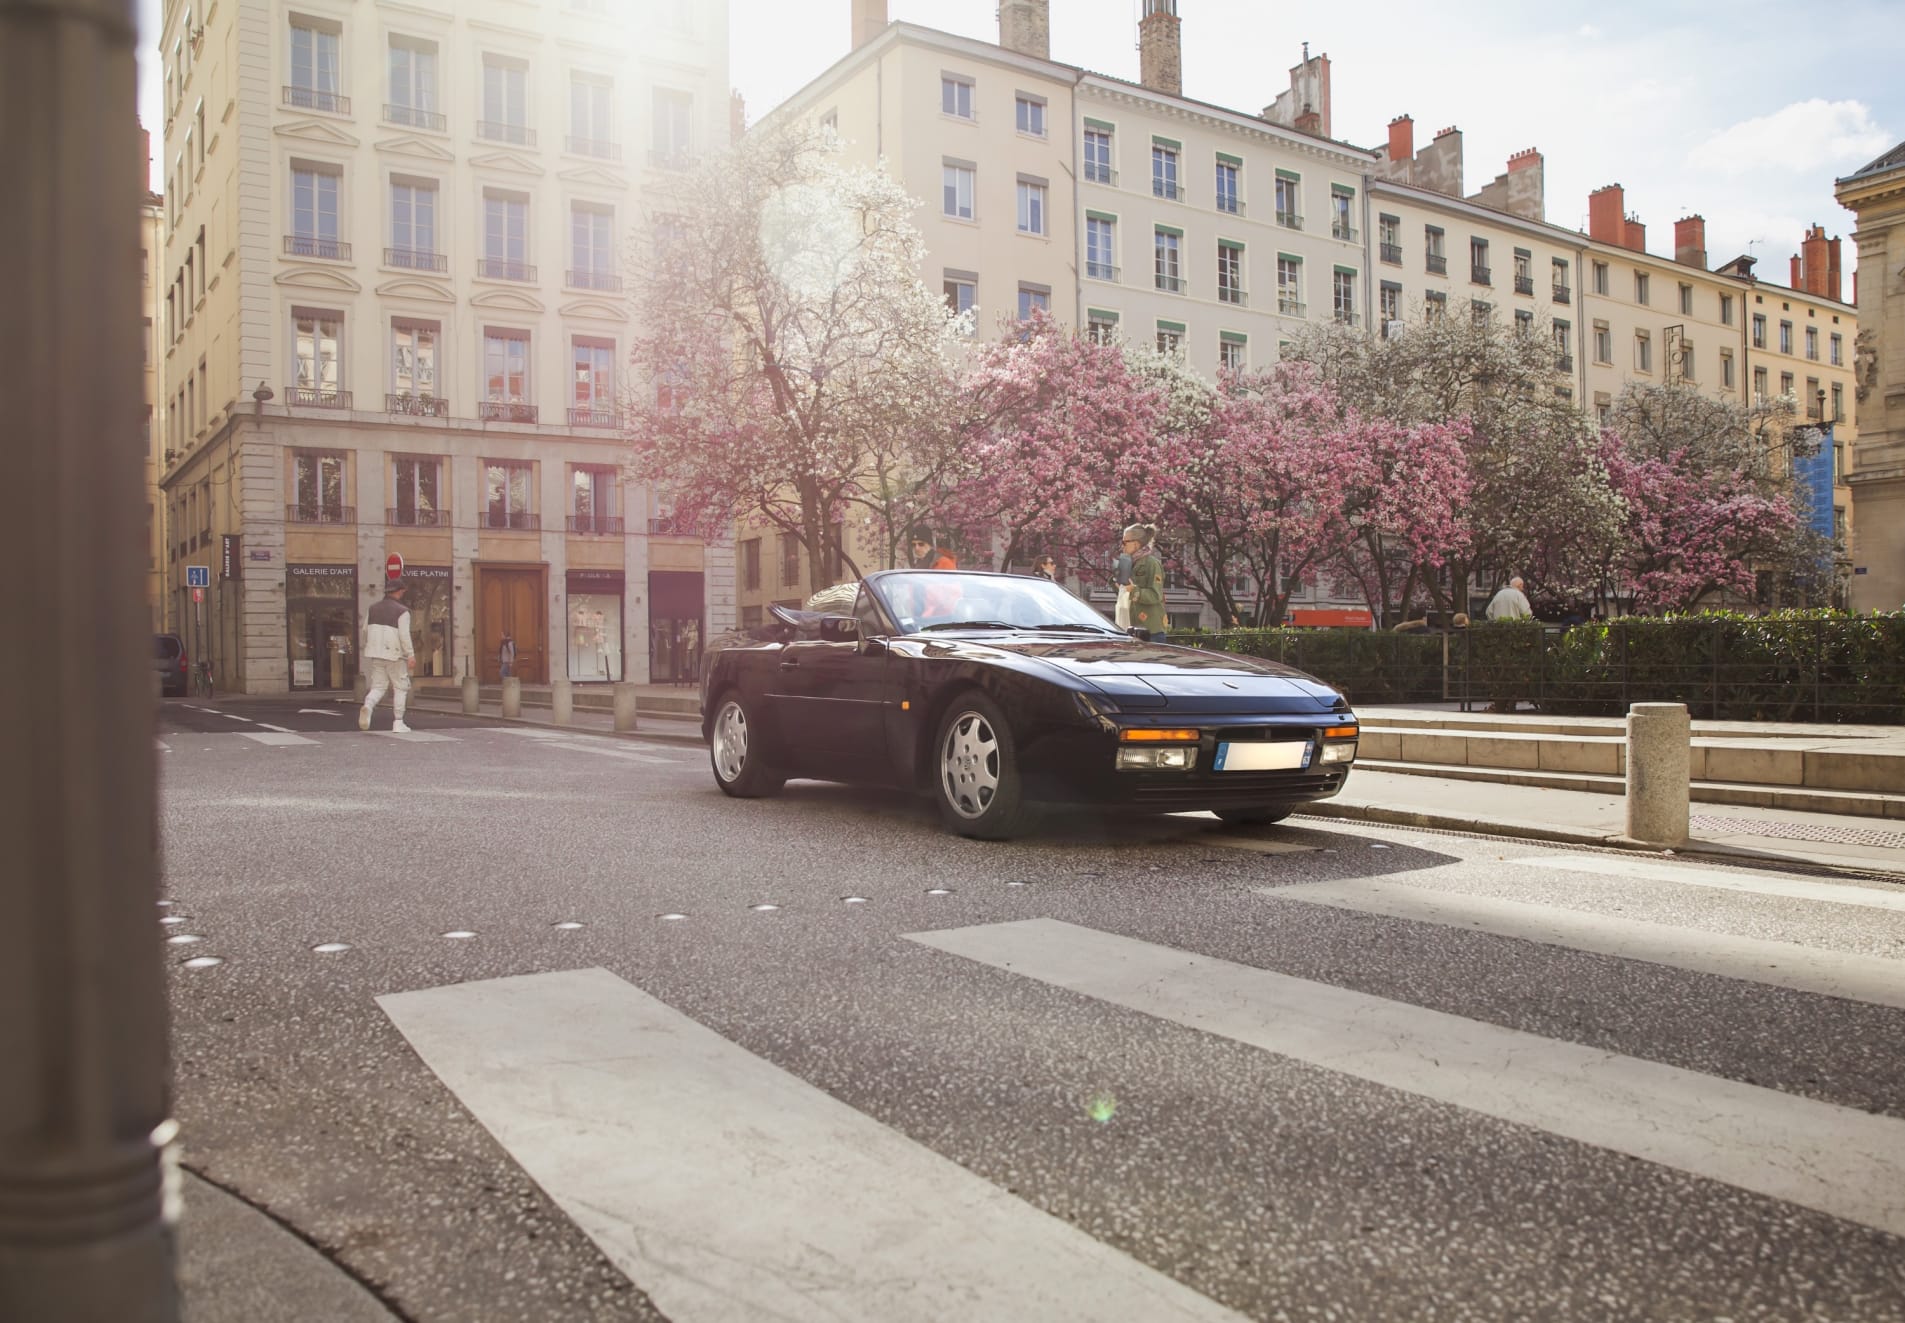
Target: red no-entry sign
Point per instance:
(393, 568)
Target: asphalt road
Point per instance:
(1318, 1071)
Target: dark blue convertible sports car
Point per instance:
(998, 693)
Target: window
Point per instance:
(593, 507)
(413, 225)
(1686, 300)
(1726, 309)
(790, 559)
(1684, 359)
(1815, 399)
(1600, 278)
(316, 337)
(1101, 247)
(413, 84)
(955, 98)
(1289, 285)
(1227, 185)
(591, 118)
(1230, 272)
(314, 212)
(962, 291)
(1838, 403)
(1785, 337)
(1642, 292)
(417, 492)
(509, 493)
(1603, 408)
(1030, 115)
(1098, 157)
(1389, 307)
(505, 365)
(1563, 346)
(1759, 330)
(1435, 259)
(1785, 383)
(672, 143)
(1643, 352)
(1524, 323)
(1435, 305)
(592, 390)
(1603, 343)
(1389, 239)
(1812, 343)
(1166, 247)
(1170, 338)
(317, 487)
(1343, 296)
(1231, 352)
(1478, 271)
(1479, 311)
(1101, 327)
(413, 359)
(1342, 213)
(1164, 171)
(1524, 271)
(956, 188)
(751, 563)
(505, 102)
(1562, 293)
(1836, 350)
(592, 247)
(505, 237)
(1728, 377)
(1034, 298)
(1031, 206)
(671, 392)
(315, 69)
(1759, 383)
(1289, 200)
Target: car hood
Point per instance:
(1155, 676)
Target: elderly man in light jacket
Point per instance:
(389, 656)
(1510, 603)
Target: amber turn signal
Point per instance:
(1145, 735)
(1340, 733)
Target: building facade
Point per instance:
(393, 323)
(1876, 194)
(151, 255)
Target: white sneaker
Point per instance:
(398, 728)
(363, 718)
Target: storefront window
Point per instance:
(321, 625)
(430, 632)
(674, 626)
(595, 624)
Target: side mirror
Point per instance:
(839, 629)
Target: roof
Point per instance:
(1892, 160)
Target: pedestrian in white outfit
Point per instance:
(389, 656)
(1510, 603)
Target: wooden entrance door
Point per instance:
(512, 600)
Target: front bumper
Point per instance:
(1078, 767)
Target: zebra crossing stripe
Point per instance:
(1782, 964)
(1836, 1160)
(1879, 896)
(275, 738)
(731, 1191)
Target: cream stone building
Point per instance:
(151, 253)
(394, 323)
(1876, 194)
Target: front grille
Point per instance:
(1201, 790)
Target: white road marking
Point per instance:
(731, 1191)
(609, 750)
(162, 746)
(231, 716)
(1837, 1160)
(417, 736)
(529, 732)
(320, 712)
(276, 739)
(1782, 964)
(266, 725)
(1875, 897)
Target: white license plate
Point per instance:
(1268, 756)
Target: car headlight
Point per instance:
(1342, 751)
(1180, 758)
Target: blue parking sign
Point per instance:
(198, 576)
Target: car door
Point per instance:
(832, 699)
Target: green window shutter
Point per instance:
(1101, 314)
(1238, 244)
(1171, 230)
(1347, 271)
(1228, 159)
(1290, 175)
(1101, 126)
(1233, 337)
(1101, 215)
(1176, 328)
(1344, 189)
(1289, 257)
(1172, 143)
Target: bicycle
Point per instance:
(202, 678)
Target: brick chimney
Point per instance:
(1025, 26)
(1636, 235)
(1835, 281)
(1690, 241)
(1519, 190)
(1607, 215)
(1160, 57)
(1798, 280)
(1309, 121)
(869, 21)
(1402, 139)
(1817, 259)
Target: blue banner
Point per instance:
(1813, 475)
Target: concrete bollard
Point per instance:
(562, 702)
(472, 696)
(625, 707)
(1659, 782)
(512, 696)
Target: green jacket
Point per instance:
(1147, 591)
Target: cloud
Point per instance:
(1804, 137)
(1588, 30)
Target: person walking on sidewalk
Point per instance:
(1510, 603)
(1147, 581)
(506, 656)
(389, 656)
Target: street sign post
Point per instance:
(198, 576)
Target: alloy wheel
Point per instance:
(730, 742)
(969, 765)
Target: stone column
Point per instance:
(625, 695)
(85, 1214)
(562, 701)
(512, 696)
(1659, 776)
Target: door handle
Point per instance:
(793, 665)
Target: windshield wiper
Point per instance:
(1076, 624)
(969, 624)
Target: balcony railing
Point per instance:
(500, 268)
(1478, 274)
(600, 148)
(609, 525)
(1564, 362)
(518, 519)
(582, 415)
(670, 158)
(317, 397)
(1436, 264)
(496, 131)
(1289, 307)
(1390, 253)
(417, 518)
(1230, 206)
(307, 245)
(1289, 220)
(1524, 284)
(415, 118)
(1166, 188)
(310, 98)
(1101, 271)
(1562, 294)
(1344, 232)
(1230, 295)
(312, 512)
(671, 525)
(417, 406)
(589, 278)
(1349, 317)
(1100, 174)
(505, 411)
(416, 259)
(1172, 284)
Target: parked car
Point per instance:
(999, 693)
(170, 661)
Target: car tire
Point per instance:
(975, 772)
(734, 752)
(1261, 816)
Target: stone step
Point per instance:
(1507, 724)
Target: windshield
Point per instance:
(985, 601)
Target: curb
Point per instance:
(639, 733)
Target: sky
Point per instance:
(1744, 113)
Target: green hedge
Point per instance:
(1789, 666)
